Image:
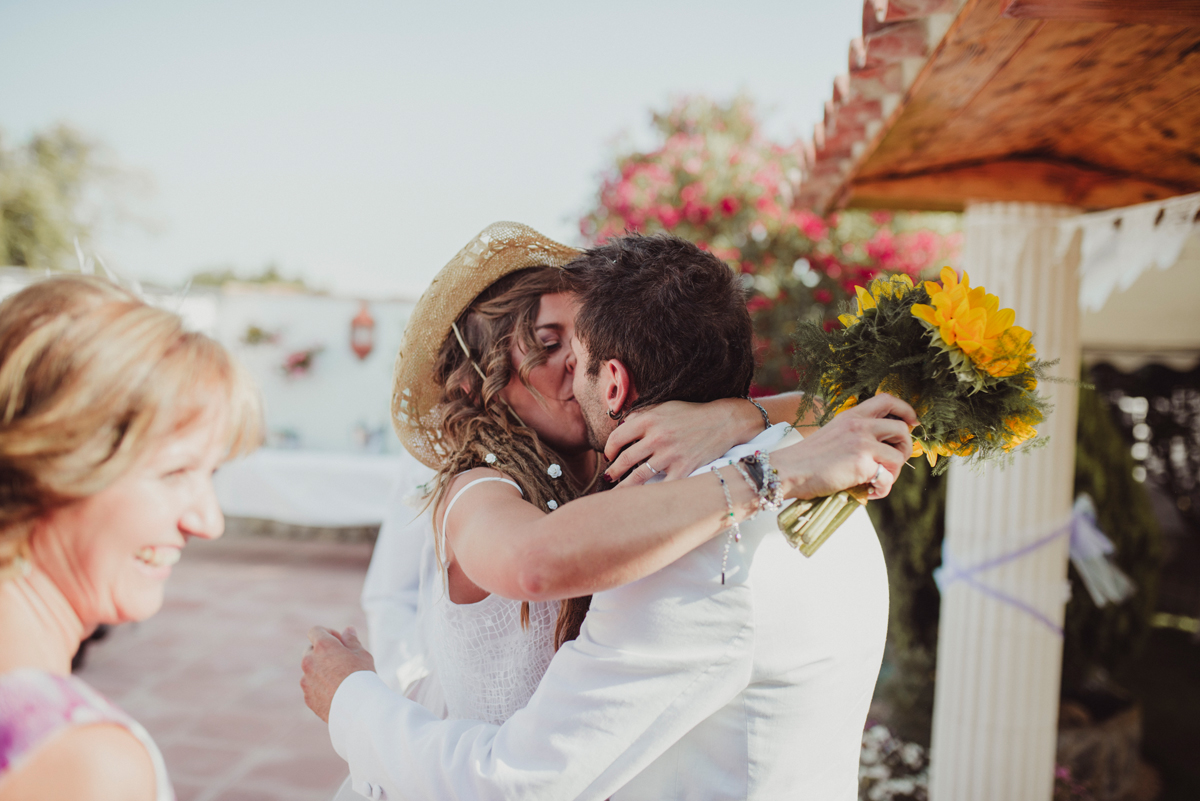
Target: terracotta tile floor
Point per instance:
(215, 675)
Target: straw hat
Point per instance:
(498, 250)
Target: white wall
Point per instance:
(342, 398)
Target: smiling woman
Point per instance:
(113, 419)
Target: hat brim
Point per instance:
(500, 249)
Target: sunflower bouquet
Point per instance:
(949, 351)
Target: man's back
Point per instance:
(788, 718)
(795, 730)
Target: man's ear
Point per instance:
(619, 391)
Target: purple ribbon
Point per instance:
(951, 571)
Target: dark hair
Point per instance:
(673, 314)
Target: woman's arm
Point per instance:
(677, 437)
(506, 546)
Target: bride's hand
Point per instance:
(676, 437)
(850, 450)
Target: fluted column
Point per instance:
(999, 665)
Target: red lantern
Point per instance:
(362, 332)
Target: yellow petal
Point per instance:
(999, 321)
(949, 278)
(865, 301)
(847, 319)
(923, 312)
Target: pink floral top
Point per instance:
(36, 705)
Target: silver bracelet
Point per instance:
(735, 530)
(766, 417)
(746, 475)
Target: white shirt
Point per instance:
(677, 687)
(400, 588)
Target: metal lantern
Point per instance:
(362, 332)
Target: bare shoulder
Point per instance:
(465, 478)
(459, 482)
(101, 762)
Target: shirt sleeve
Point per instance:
(391, 589)
(654, 658)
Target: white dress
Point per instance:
(488, 664)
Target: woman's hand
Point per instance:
(674, 438)
(850, 451)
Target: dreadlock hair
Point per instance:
(475, 420)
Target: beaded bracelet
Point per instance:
(766, 480)
(735, 530)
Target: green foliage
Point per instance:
(911, 524)
(886, 348)
(42, 186)
(270, 275)
(1110, 637)
(716, 180)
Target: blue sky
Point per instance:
(361, 144)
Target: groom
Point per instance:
(680, 685)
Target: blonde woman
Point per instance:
(112, 421)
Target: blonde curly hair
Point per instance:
(91, 378)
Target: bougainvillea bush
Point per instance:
(717, 180)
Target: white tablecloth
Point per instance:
(315, 488)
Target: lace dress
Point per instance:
(36, 705)
(488, 664)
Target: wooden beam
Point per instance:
(1124, 12)
(1016, 179)
(1123, 99)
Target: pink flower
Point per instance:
(730, 205)
(822, 296)
(767, 205)
(668, 216)
(699, 213)
(758, 303)
(809, 224)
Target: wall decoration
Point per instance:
(254, 335)
(301, 362)
(362, 332)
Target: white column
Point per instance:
(998, 666)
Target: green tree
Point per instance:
(714, 178)
(42, 191)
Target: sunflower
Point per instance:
(971, 321)
(893, 286)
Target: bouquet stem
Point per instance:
(807, 524)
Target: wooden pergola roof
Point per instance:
(1090, 103)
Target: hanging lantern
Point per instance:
(362, 332)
